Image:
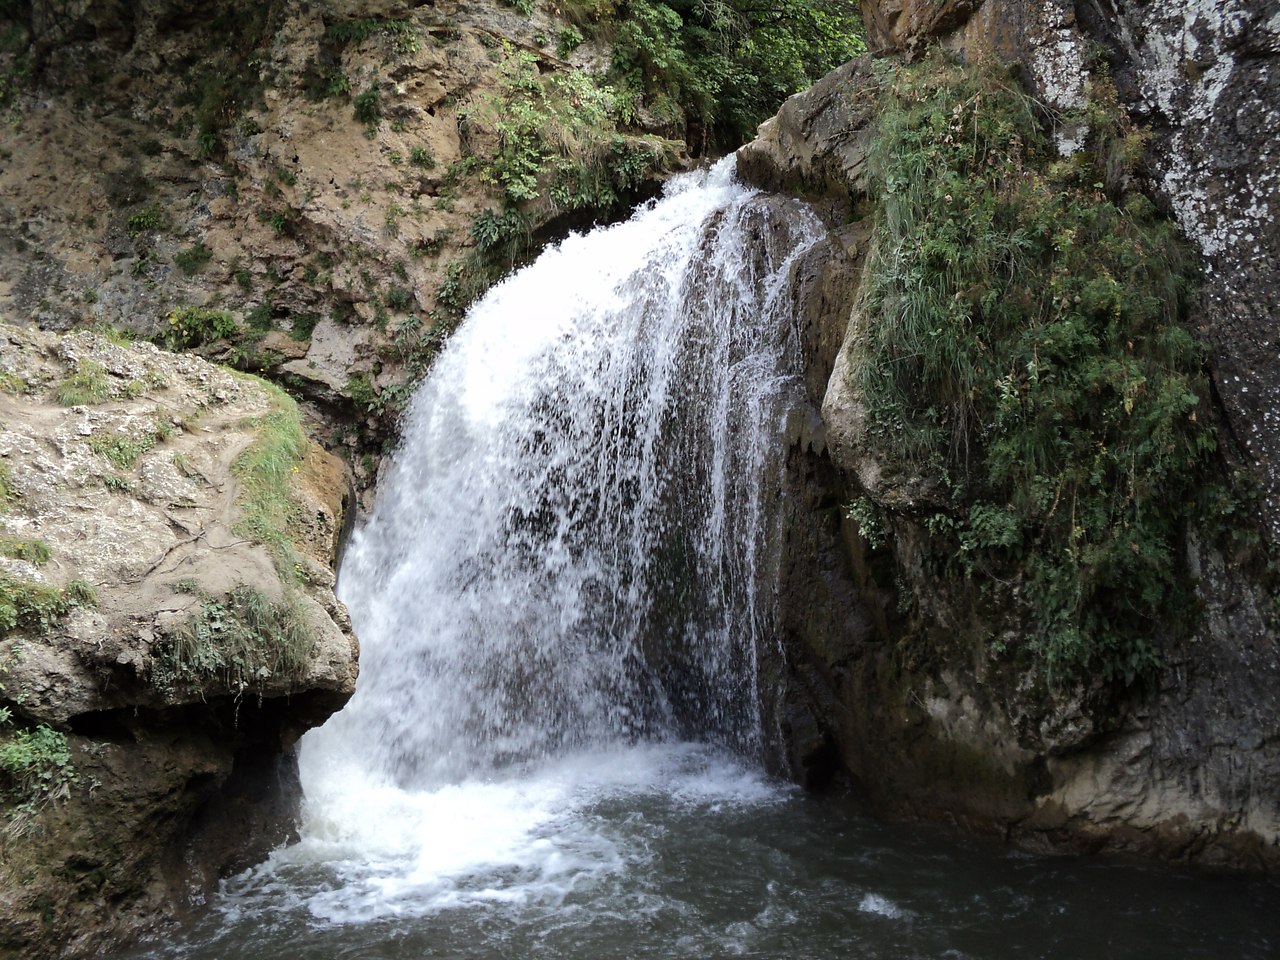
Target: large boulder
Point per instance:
(192, 650)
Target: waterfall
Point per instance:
(571, 545)
(554, 747)
(571, 565)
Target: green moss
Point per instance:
(1027, 353)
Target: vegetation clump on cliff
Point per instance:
(242, 639)
(1027, 353)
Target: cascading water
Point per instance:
(554, 749)
(566, 551)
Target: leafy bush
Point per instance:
(194, 259)
(35, 764)
(397, 298)
(568, 40)
(368, 106)
(149, 219)
(421, 157)
(1027, 353)
(558, 139)
(189, 327)
(719, 68)
(362, 393)
(303, 325)
(348, 31)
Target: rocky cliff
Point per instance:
(169, 631)
(908, 676)
(340, 180)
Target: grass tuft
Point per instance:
(88, 384)
(266, 471)
(242, 639)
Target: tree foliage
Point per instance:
(718, 68)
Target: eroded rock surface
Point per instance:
(1190, 767)
(182, 758)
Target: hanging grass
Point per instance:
(1027, 352)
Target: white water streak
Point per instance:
(566, 557)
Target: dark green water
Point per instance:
(673, 852)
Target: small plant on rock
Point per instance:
(188, 327)
(88, 384)
(194, 259)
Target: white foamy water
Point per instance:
(567, 574)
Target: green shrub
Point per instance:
(568, 40)
(421, 157)
(558, 140)
(35, 764)
(149, 219)
(242, 639)
(720, 68)
(1027, 353)
(337, 86)
(194, 259)
(303, 325)
(402, 32)
(507, 231)
(88, 384)
(368, 106)
(397, 298)
(189, 327)
(360, 389)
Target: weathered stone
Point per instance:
(1190, 769)
(166, 770)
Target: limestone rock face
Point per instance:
(327, 181)
(183, 768)
(1191, 768)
